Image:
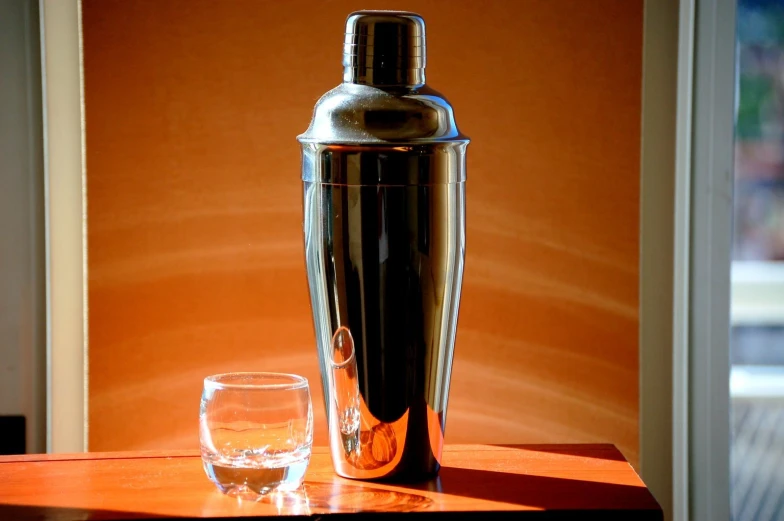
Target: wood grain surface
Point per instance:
(195, 257)
(568, 482)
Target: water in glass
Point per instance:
(256, 432)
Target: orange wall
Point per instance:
(194, 216)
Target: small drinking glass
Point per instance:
(256, 432)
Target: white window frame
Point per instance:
(757, 289)
(757, 300)
(710, 259)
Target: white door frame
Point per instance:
(659, 219)
(693, 421)
(66, 252)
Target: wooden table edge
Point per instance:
(189, 453)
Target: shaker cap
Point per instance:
(384, 48)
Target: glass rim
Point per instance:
(295, 381)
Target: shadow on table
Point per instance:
(548, 493)
(605, 451)
(25, 513)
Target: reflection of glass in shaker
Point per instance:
(374, 446)
(344, 378)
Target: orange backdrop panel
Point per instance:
(196, 262)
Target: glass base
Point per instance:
(254, 483)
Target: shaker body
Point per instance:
(383, 171)
(385, 266)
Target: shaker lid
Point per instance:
(384, 48)
(383, 98)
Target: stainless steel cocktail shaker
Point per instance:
(383, 171)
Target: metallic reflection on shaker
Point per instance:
(383, 169)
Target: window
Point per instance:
(757, 305)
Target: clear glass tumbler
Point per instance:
(256, 432)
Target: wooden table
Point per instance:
(476, 481)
